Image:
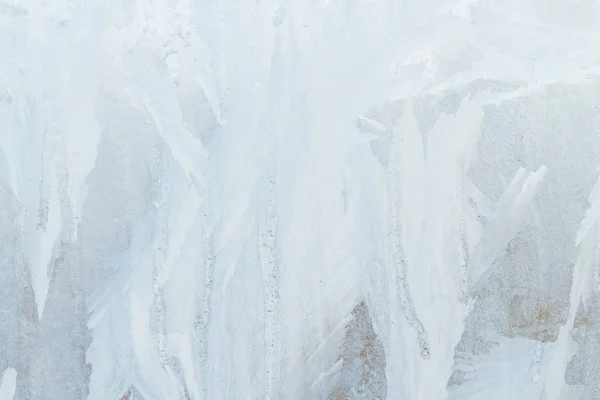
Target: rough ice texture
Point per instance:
(366, 199)
(362, 374)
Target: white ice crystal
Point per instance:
(215, 199)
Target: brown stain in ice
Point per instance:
(361, 346)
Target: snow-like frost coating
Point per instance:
(283, 199)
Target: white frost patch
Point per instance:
(426, 254)
(8, 386)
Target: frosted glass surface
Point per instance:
(299, 199)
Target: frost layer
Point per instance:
(196, 195)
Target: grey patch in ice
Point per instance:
(583, 367)
(12, 11)
(378, 122)
(280, 14)
(65, 311)
(427, 108)
(5, 96)
(196, 112)
(132, 394)
(379, 148)
(528, 294)
(471, 345)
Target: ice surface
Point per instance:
(286, 199)
(8, 384)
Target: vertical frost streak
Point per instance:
(270, 272)
(205, 301)
(160, 255)
(161, 249)
(398, 260)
